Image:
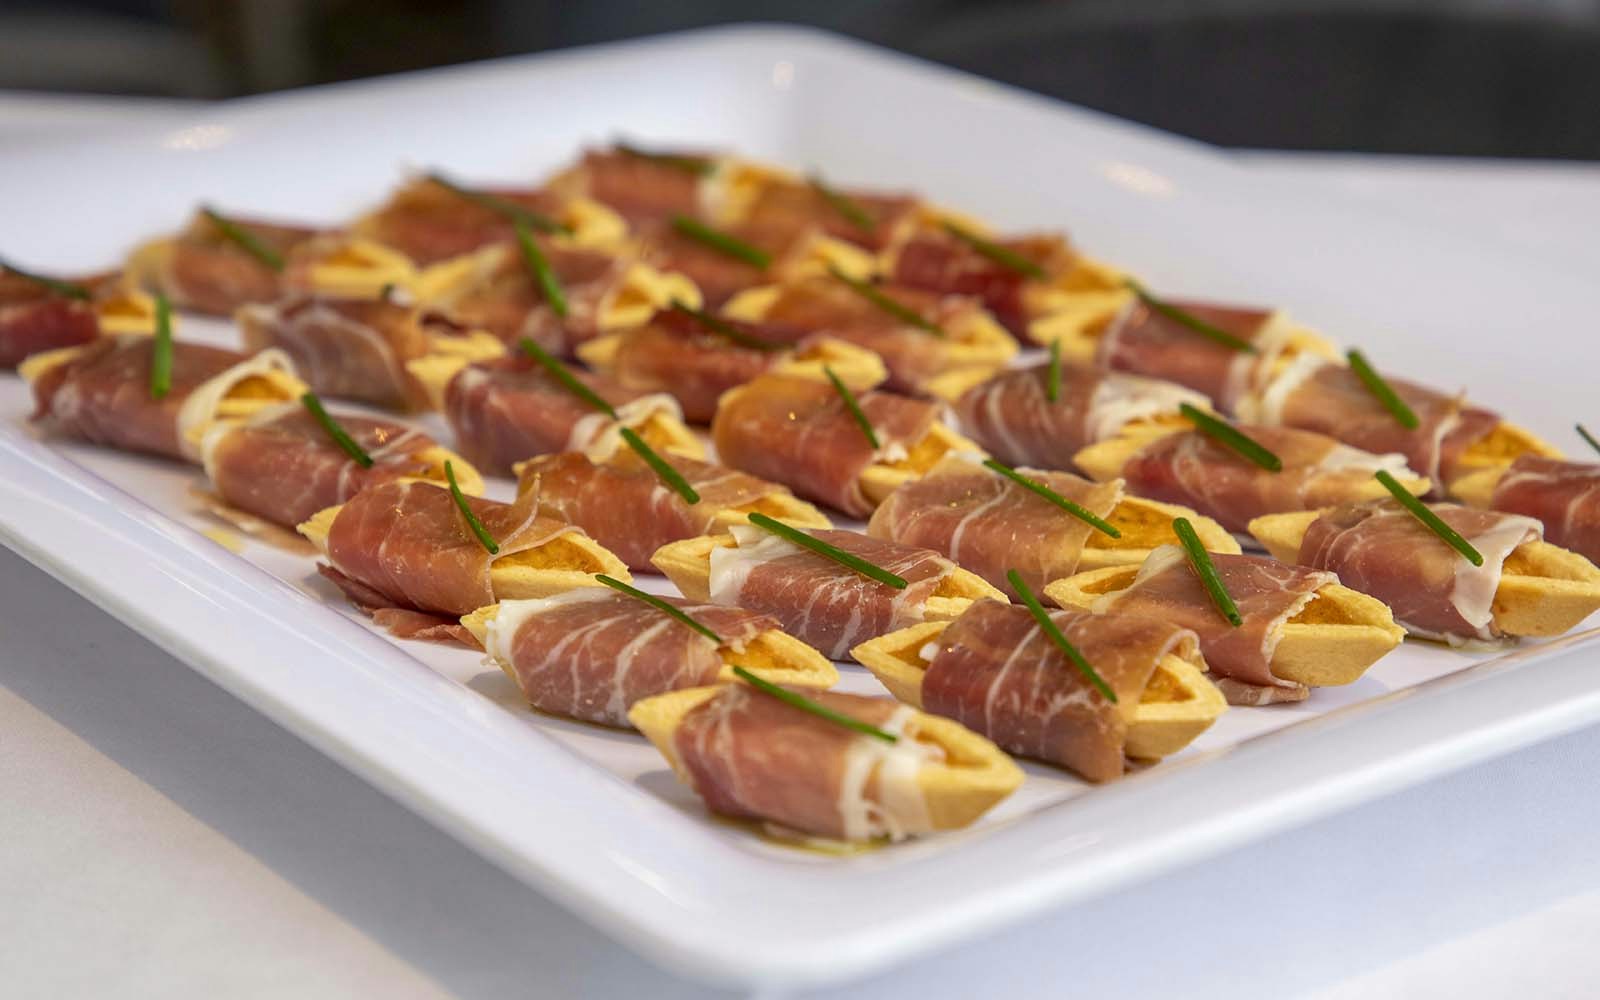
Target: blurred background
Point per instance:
(1514, 78)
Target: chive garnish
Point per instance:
(246, 240)
(1076, 510)
(1420, 511)
(1188, 319)
(466, 512)
(842, 203)
(1583, 432)
(667, 473)
(339, 435)
(1000, 255)
(875, 295)
(1382, 390)
(687, 164)
(822, 548)
(721, 242)
(161, 350)
(716, 324)
(815, 708)
(1231, 437)
(660, 605)
(853, 406)
(66, 289)
(1049, 627)
(542, 273)
(562, 374)
(1200, 559)
(1052, 378)
(500, 206)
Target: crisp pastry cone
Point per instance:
(1176, 706)
(569, 560)
(880, 479)
(1332, 641)
(1544, 590)
(687, 563)
(857, 367)
(772, 655)
(1476, 489)
(358, 268)
(1145, 525)
(973, 777)
(1493, 453)
(128, 310)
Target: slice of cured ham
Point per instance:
(938, 261)
(799, 205)
(430, 223)
(676, 354)
(642, 189)
(1144, 341)
(1564, 496)
(203, 270)
(34, 318)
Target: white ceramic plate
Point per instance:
(592, 816)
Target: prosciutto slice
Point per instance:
(283, 467)
(624, 505)
(938, 261)
(508, 409)
(430, 223)
(505, 298)
(798, 206)
(641, 189)
(998, 674)
(819, 601)
(591, 653)
(1193, 469)
(102, 395)
(798, 432)
(402, 553)
(1564, 496)
(675, 354)
(33, 318)
(749, 755)
(989, 524)
(1381, 549)
(1012, 417)
(1267, 592)
(205, 271)
(719, 275)
(1142, 341)
(1315, 394)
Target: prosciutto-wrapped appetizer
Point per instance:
(869, 219)
(100, 392)
(805, 435)
(1563, 496)
(407, 555)
(432, 219)
(930, 342)
(996, 671)
(831, 589)
(1451, 438)
(283, 465)
(1299, 628)
(1045, 525)
(1019, 279)
(593, 653)
(44, 314)
(1198, 470)
(624, 505)
(360, 349)
(1524, 586)
(751, 756)
(508, 409)
(217, 263)
(649, 186)
(693, 357)
(1014, 418)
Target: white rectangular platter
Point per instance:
(593, 816)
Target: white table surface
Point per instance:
(159, 838)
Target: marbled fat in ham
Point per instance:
(1564, 496)
(1145, 341)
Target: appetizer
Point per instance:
(997, 671)
(288, 462)
(644, 186)
(696, 356)
(218, 263)
(927, 340)
(592, 653)
(111, 391)
(1236, 473)
(1442, 437)
(1044, 415)
(39, 313)
(992, 519)
(886, 771)
(1518, 585)
(865, 218)
(1297, 629)
(359, 349)
(1563, 496)
(416, 557)
(832, 589)
(827, 444)
(628, 507)
(722, 261)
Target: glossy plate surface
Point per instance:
(592, 816)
